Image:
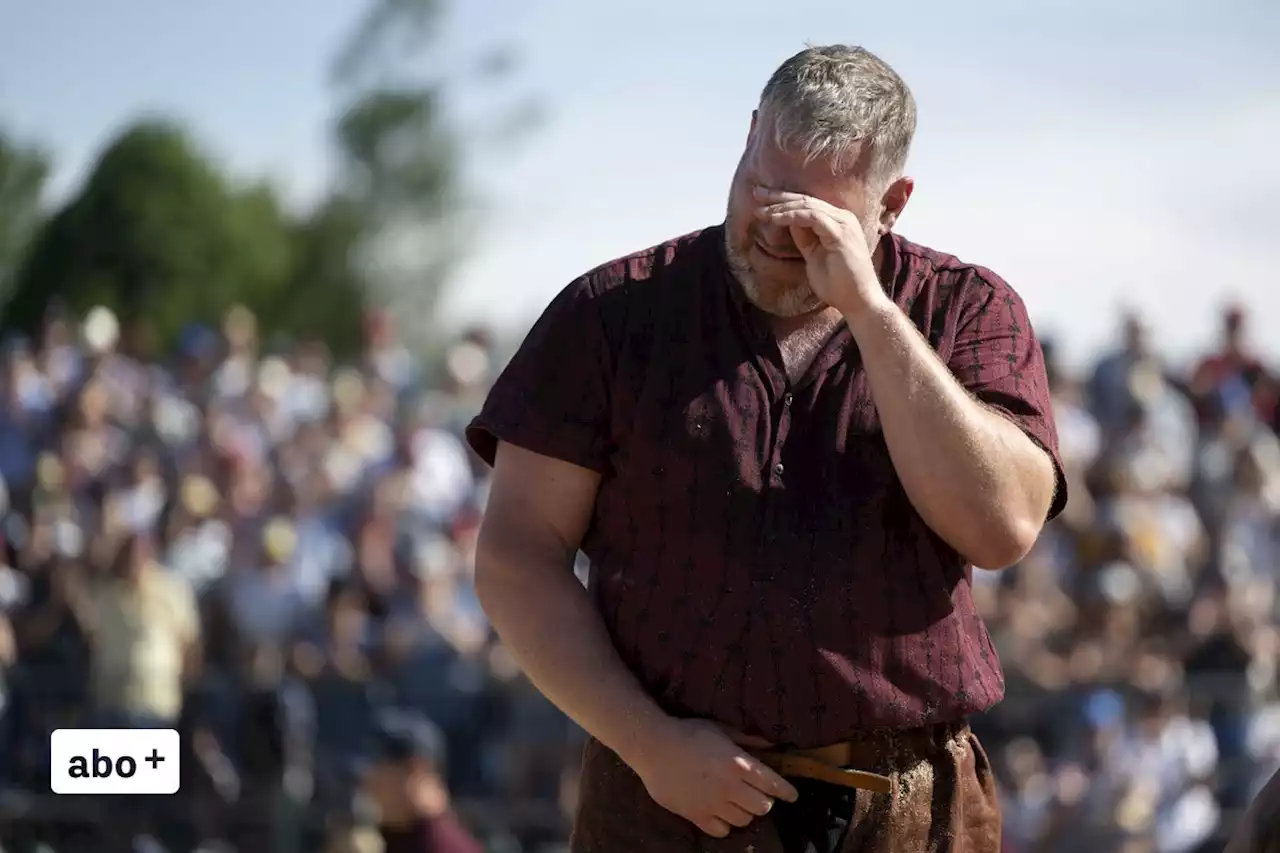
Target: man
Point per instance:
(407, 785)
(145, 630)
(783, 443)
(1234, 373)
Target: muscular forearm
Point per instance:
(973, 476)
(548, 623)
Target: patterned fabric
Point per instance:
(753, 554)
(943, 800)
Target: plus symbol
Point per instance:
(154, 759)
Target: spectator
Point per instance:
(145, 636)
(406, 782)
(1236, 367)
(272, 550)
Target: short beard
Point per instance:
(793, 301)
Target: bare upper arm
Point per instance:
(536, 503)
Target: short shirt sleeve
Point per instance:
(553, 396)
(999, 360)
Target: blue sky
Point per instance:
(1094, 153)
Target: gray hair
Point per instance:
(824, 101)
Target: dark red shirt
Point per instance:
(443, 834)
(753, 553)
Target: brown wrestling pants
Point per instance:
(942, 800)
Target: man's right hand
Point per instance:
(698, 772)
(539, 509)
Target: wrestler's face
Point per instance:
(764, 258)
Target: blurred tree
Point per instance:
(327, 291)
(400, 156)
(159, 236)
(23, 172)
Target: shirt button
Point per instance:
(779, 468)
(786, 401)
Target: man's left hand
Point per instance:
(838, 261)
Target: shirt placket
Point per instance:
(768, 359)
(777, 552)
(775, 475)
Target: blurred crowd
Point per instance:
(1139, 637)
(270, 551)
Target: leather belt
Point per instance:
(825, 764)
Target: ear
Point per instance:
(755, 118)
(893, 202)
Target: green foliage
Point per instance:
(162, 237)
(327, 289)
(23, 172)
(387, 38)
(159, 236)
(401, 152)
(398, 160)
